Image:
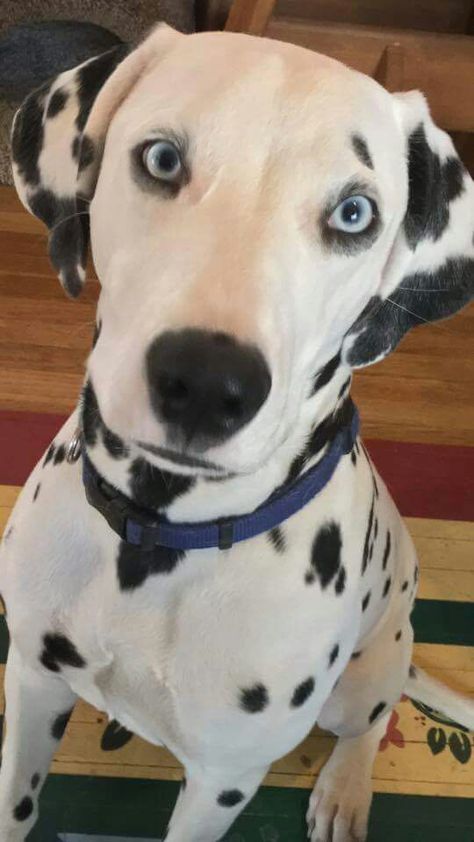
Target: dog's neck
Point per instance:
(187, 498)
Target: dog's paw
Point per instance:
(339, 808)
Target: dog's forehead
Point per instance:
(212, 81)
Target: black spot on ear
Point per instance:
(334, 655)
(230, 797)
(405, 586)
(341, 581)
(302, 692)
(35, 780)
(97, 330)
(92, 76)
(277, 538)
(326, 374)
(387, 587)
(37, 491)
(365, 601)
(57, 103)
(398, 635)
(254, 699)
(154, 488)
(59, 650)
(359, 145)
(134, 565)
(377, 711)
(24, 809)
(326, 554)
(60, 454)
(60, 723)
(28, 136)
(386, 551)
(432, 186)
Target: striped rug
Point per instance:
(107, 785)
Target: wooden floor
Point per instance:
(423, 393)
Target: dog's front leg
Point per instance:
(38, 707)
(210, 802)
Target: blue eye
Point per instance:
(163, 160)
(353, 215)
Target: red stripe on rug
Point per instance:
(425, 480)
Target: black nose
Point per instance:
(205, 385)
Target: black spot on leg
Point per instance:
(37, 491)
(377, 711)
(326, 373)
(115, 736)
(398, 635)
(23, 809)
(277, 538)
(49, 454)
(359, 145)
(59, 650)
(386, 551)
(334, 655)
(230, 797)
(134, 565)
(57, 103)
(365, 601)
(60, 455)
(35, 780)
(59, 724)
(302, 692)
(387, 587)
(325, 554)
(254, 699)
(405, 586)
(341, 581)
(412, 671)
(355, 656)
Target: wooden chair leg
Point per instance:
(250, 16)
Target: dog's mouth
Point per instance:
(179, 458)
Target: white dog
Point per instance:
(213, 559)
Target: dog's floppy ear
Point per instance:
(430, 272)
(56, 158)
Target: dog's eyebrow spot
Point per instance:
(60, 723)
(57, 103)
(230, 797)
(302, 692)
(334, 655)
(361, 149)
(254, 699)
(325, 555)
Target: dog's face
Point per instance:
(250, 213)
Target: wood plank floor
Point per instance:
(422, 393)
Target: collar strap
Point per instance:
(142, 529)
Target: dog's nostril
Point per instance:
(205, 385)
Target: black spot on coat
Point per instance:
(59, 651)
(334, 655)
(60, 454)
(277, 538)
(254, 699)
(326, 553)
(405, 586)
(365, 601)
(24, 809)
(155, 489)
(135, 565)
(230, 798)
(341, 581)
(115, 736)
(325, 375)
(37, 491)
(377, 711)
(60, 723)
(35, 780)
(387, 587)
(398, 635)
(302, 692)
(368, 535)
(49, 454)
(386, 551)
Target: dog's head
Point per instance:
(255, 210)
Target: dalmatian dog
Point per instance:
(263, 221)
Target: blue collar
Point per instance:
(146, 531)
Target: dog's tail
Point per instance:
(31, 53)
(423, 688)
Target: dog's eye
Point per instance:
(353, 215)
(162, 160)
